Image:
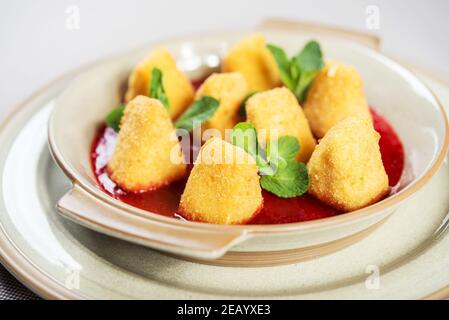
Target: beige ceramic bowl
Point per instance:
(396, 93)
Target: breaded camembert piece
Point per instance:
(223, 187)
(279, 113)
(178, 87)
(252, 58)
(230, 90)
(147, 154)
(346, 169)
(335, 93)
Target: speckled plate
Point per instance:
(406, 257)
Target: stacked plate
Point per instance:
(403, 255)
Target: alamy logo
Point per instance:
(372, 21)
(72, 21)
(72, 279)
(372, 282)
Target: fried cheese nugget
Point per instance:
(223, 187)
(335, 93)
(279, 113)
(147, 154)
(176, 84)
(252, 58)
(346, 169)
(230, 90)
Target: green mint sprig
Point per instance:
(290, 179)
(156, 89)
(200, 111)
(113, 118)
(244, 135)
(298, 72)
(280, 173)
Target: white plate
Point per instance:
(59, 259)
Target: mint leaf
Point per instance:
(303, 84)
(242, 108)
(113, 118)
(244, 135)
(200, 111)
(310, 58)
(280, 173)
(310, 62)
(288, 182)
(156, 89)
(286, 147)
(298, 72)
(283, 63)
(282, 150)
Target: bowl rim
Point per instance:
(364, 213)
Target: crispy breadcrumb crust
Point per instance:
(346, 169)
(147, 154)
(230, 90)
(252, 58)
(278, 109)
(176, 84)
(335, 93)
(223, 187)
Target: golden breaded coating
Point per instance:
(252, 58)
(346, 169)
(278, 112)
(147, 154)
(176, 84)
(223, 187)
(230, 90)
(336, 93)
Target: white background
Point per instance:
(36, 46)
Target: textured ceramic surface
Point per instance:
(403, 99)
(60, 259)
